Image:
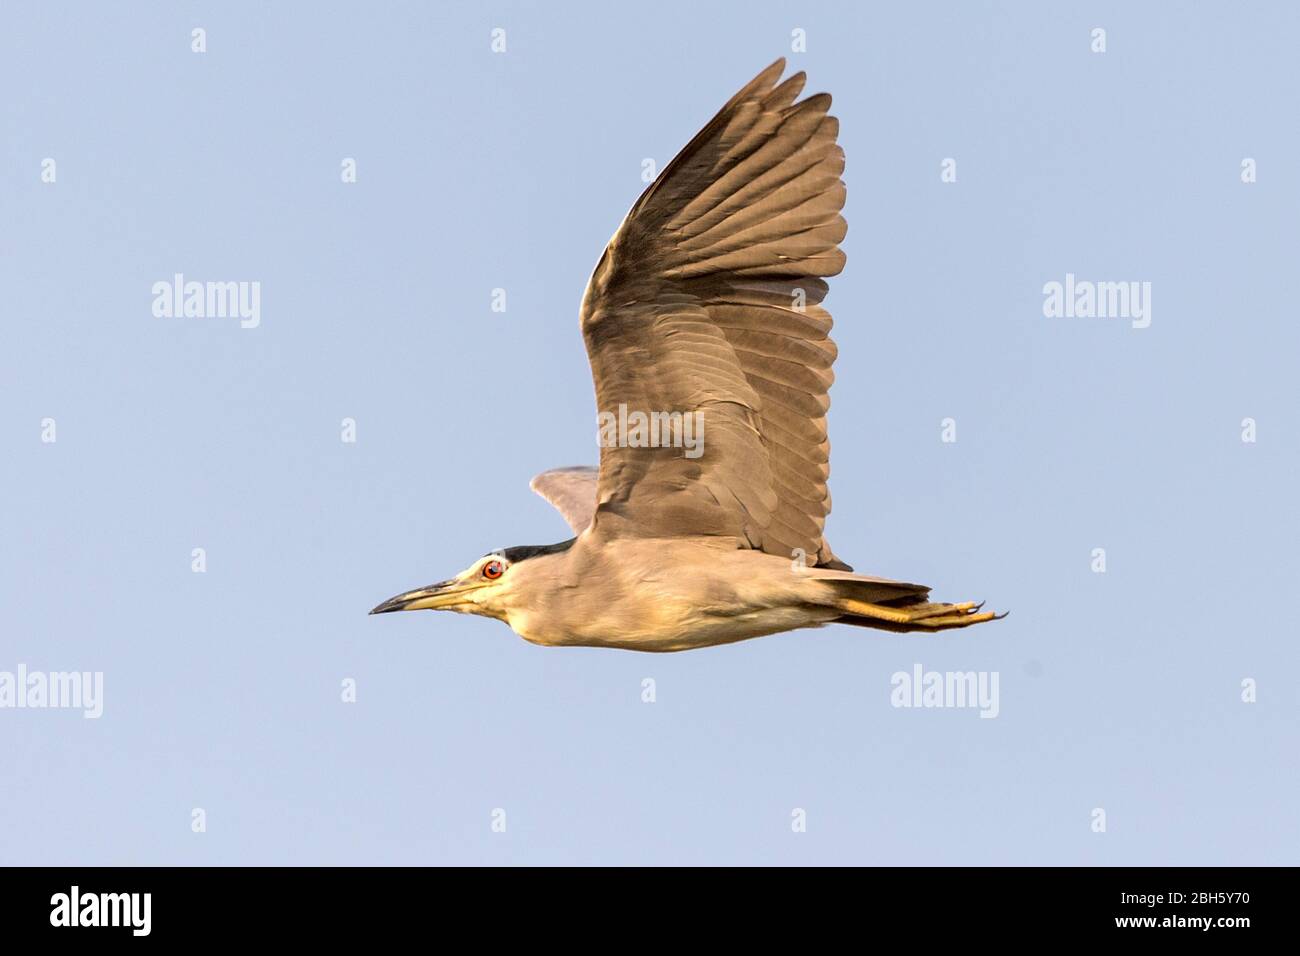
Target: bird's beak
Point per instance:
(440, 595)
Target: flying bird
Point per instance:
(706, 307)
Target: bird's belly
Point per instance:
(671, 628)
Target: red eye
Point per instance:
(493, 570)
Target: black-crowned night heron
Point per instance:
(711, 358)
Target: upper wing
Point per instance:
(707, 300)
(572, 491)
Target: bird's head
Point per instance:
(484, 588)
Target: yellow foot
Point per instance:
(916, 617)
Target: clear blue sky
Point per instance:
(478, 170)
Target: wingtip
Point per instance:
(768, 76)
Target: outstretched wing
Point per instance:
(707, 300)
(572, 491)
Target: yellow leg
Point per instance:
(921, 616)
(923, 611)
